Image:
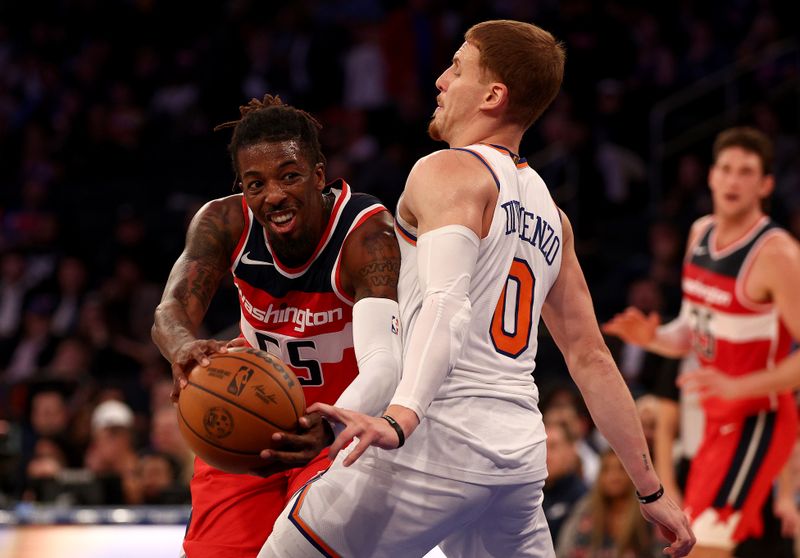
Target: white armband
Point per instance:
(446, 259)
(378, 347)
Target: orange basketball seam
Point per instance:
(268, 373)
(211, 442)
(238, 405)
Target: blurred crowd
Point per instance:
(106, 111)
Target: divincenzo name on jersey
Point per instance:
(533, 229)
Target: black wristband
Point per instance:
(393, 423)
(650, 498)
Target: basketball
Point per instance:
(230, 409)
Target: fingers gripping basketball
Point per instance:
(230, 409)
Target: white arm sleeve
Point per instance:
(446, 258)
(378, 348)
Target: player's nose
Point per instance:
(274, 194)
(441, 82)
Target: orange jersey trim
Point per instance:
(305, 530)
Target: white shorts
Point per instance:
(378, 509)
(715, 531)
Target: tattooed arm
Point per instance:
(371, 260)
(370, 272)
(195, 277)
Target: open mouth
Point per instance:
(281, 222)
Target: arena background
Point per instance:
(106, 151)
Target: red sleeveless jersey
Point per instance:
(301, 314)
(730, 332)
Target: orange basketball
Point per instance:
(231, 408)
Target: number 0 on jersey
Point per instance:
(512, 321)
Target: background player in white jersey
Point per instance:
(484, 253)
(741, 309)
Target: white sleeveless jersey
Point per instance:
(484, 422)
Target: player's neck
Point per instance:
(509, 137)
(730, 228)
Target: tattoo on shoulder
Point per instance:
(205, 259)
(203, 283)
(197, 280)
(383, 268)
(211, 237)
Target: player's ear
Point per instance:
(767, 186)
(496, 96)
(319, 176)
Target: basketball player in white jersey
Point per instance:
(485, 252)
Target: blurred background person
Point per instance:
(606, 523)
(564, 485)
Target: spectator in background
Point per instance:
(687, 198)
(43, 469)
(562, 405)
(49, 413)
(70, 291)
(607, 523)
(112, 453)
(35, 346)
(165, 438)
(647, 405)
(72, 360)
(665, 244)
(49, 418)
(564, 485)
(158, 480)
(640, 368)
(14, 285)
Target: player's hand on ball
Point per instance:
(189, 355)
(296, 449)
(370, 431)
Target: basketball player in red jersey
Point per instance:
(316, 267)
(740, 311)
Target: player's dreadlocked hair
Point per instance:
(270, 120)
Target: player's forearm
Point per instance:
(673, 339)
(446, 258)
(376, 341)
(785, 376)
(614, 412)
(433, 347)
(172, 327)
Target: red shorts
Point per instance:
(733, 472)
(232, 515)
